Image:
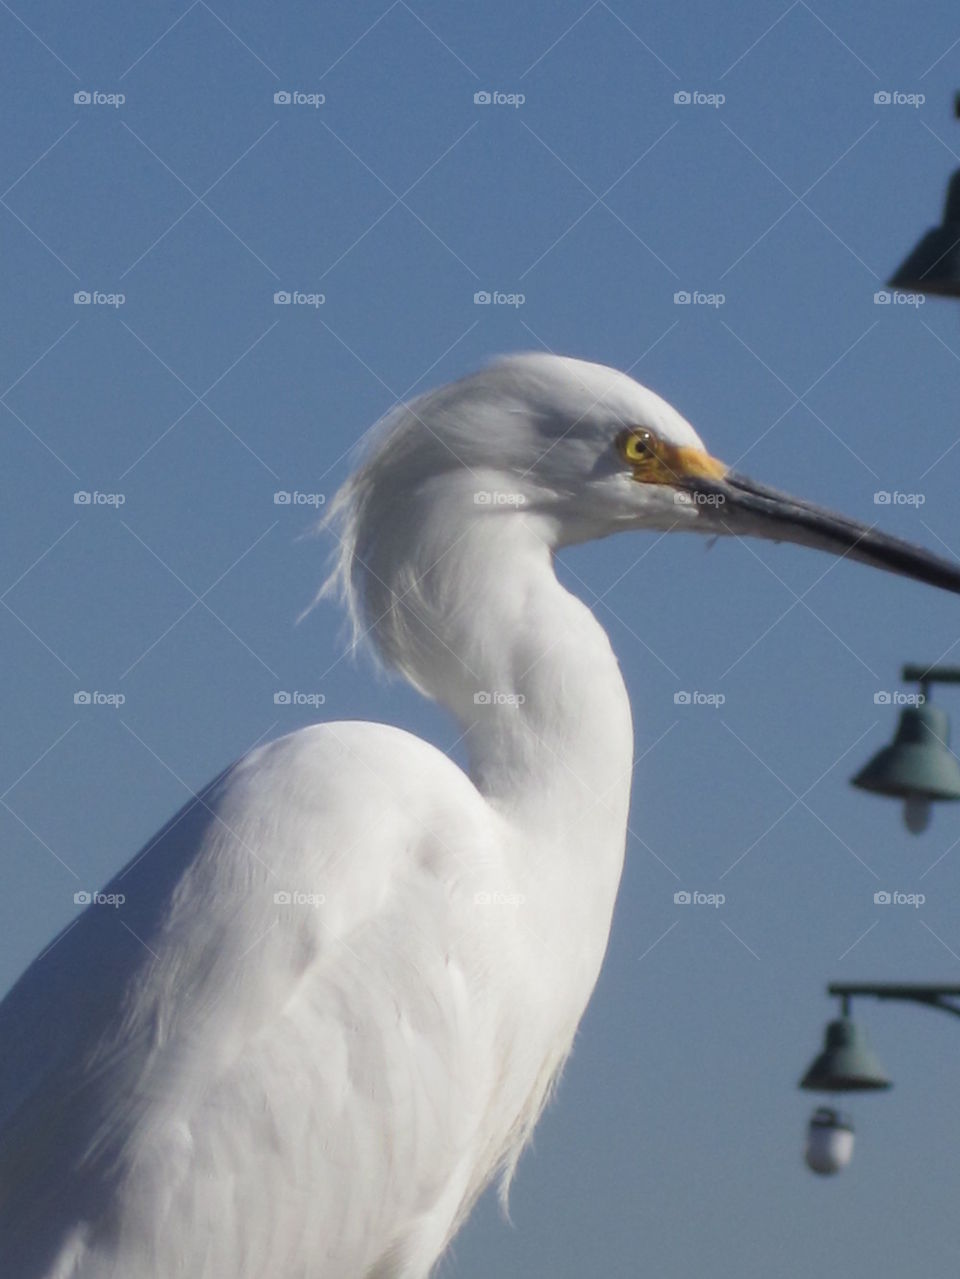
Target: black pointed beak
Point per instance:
(742, 507)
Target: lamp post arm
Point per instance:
(934, 996)
(914, 674)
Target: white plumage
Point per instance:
(345, 978)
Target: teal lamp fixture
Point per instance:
(847, 1064)
(934, 265)
(918, 767)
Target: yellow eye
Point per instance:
(637, 445)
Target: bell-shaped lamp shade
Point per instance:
(829, 1141)
(934, 265)
(847, 1063)
(918, 764)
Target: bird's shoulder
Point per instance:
(266, 906)
(342, 758)
(256, 878)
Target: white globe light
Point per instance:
(829, 1141)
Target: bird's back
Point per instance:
(284, 1053)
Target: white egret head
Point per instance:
(566, 451)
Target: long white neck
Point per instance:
(537, 689)
(484, 627)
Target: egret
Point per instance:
(346, 974)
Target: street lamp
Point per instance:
(934, 264)
(918, 766)
(848, 1064)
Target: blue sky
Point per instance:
(596, 198)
